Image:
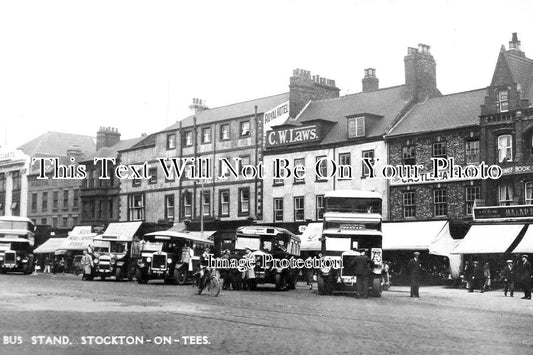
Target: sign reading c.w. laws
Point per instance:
(286, 136)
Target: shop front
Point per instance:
(432, 239)
(498, 233)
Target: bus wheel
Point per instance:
(180, 276)
(376, 287)
(291, 284)
(140, 277)
(118, 274)
(281, 282)
(323, 285)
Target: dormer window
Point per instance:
(503, 101)
(356, 127)
(505, 148)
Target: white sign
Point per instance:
(278, 115)
(337, 244)
(243, 243)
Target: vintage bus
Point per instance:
(352, 222)
(277, 242)
(116, 251)
(171, 256)
(16, 244)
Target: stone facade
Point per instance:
(424, 192)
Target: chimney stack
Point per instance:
(370, 81)
(198, 105)
(74, 151)
(107, 137)
(514, 46)
(420, 73)
(304, 87)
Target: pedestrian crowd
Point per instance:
(477, 276)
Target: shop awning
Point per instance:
(526, 244)
(50, 246)
(121, 231)
(414, 235)
(202, 237)
(311, 237)
(433, 236)
(488, 238)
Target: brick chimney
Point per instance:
(107, 137)
(370, 81)
(198, 105)
(74, 151)
(514, 46)
(420, 73)
(304, 87)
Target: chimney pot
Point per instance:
(370, 81)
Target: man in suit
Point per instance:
(508, 275)
(525, 270)
(414, 268)
(362, 269)
(478, 278)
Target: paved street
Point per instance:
(265, 321)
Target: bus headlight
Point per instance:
(96, 261)
(148, 259)
(112, 261)
(1, 258)
(18, 258)
(169, 260)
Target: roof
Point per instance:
(203, 237)
(241, 109)
(353, 194)
(441, 113)
(143, 142)
(514, 67)
(112, 152)
(57, 143)
(382, 107)
(122, 231)
(15, 219)
(521, 69)
(51, 245)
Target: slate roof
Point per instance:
(381, 107)
(57, 143)
(112, 152)
(143, 142)
(241, 109)
(521, 69)
(442, 113)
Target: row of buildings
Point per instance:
(309, 126)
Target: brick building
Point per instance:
(55, 202)
(439, 127)
(348, 129)
(507, 128)
(234, 132)
(100, 197)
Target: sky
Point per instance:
(73, 66)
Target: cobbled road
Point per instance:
(36, 308)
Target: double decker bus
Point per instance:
(352, 223)
(16, 244)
